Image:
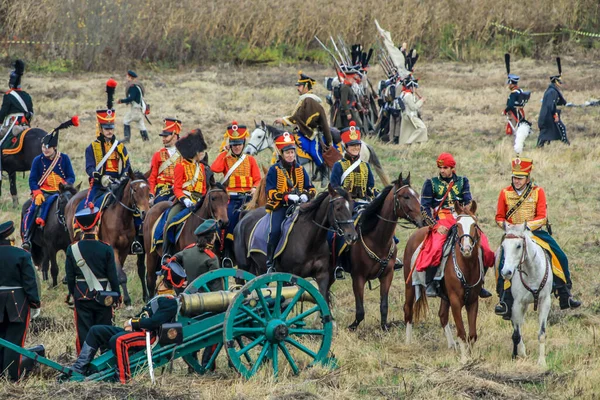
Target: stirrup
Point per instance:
(271, 270)
(398, 265)
(136, 248)
(339, 273)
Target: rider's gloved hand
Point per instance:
(105, 181)
(97, 176)
(304, 198)
(187, 202)
(293, 198)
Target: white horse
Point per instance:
(529, 269)
(263, 138)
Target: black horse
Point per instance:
(54, 237)
(32, 147)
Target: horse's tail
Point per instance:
(421, 307)
(37, 254)
(374, 161)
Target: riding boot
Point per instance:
(167, 251)
(339, 268)
(398, 265)
(566, 300)
(136, 246)
(144, 135)
(271, 247)
(433, 286)
(504, 307)
(484, 294)
(85, 357)
(126, 133)
(27, 240)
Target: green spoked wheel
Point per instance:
(272, 331)
(229, 276)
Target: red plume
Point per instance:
(75, 120)
(111, 83)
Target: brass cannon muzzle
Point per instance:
(219, 301)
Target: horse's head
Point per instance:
(214, 204)
(467, 229)
(339, 214)
(514, 247)
(407, 203)
(260, 139)
(139, 192)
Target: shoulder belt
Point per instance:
(107, 155)
(351, 168)
(168, 162)
(439, 207)
(210, 253)
(89, 276)
(233, 168)
(49, 170)
(14, 94)
(519, 202)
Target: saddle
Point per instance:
(420, 278)
(260, 234)
(174, 228)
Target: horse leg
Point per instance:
(456, 306)
(409, 303)
(12, 178)
(472, 309)
(151, 266)
(141, 270)
(385, 283)
(120, 260)
(44, 267)
(358, 286)
(518, 317)
(444, 315)
(53, 268)
(544, 306)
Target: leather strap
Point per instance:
(90, 278)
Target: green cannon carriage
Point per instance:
(264, 322)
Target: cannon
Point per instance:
(278, 321)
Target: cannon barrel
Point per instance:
(218, 301)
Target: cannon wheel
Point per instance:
(275, 335)
(200, 284)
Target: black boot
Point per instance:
(28, 365)
(85, 357)
(136, 246)
(433, 286)
(504, 307)
(398, 265)
(270, 257)
(484, 294)
(126, 133)
(144, 135)
(565, 298)
(27, 240)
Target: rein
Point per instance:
(257, 148)
(336, 224)
(135, 208)
(406, 216)
(209, 204)
(382, 262)
(535, 292)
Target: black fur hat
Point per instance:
(14, 81)
(191, 144)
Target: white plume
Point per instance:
(523, 130)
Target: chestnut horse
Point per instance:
(463, 278)
(374, 255)
(117, 225)
(212, 206)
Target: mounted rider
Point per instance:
(437, 207)
(310, 119)
(134, 92)
(241, 175)
(17, 107)
(162, 167)
(49, 170)
(549, 121)
(287, 184)
(525, 202)
(191, 177)
(514, 111)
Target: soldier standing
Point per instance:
(137, 110)
(91, 276)
(549, 121)
(412, 129)
(347, 111)
(19, 299)
(162, 168)
(17, 106)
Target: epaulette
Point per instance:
(189, 246)
(210, 253)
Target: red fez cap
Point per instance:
(446, 160)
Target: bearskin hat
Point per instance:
(191, 144)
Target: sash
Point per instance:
(438, 208)
(89, 276)
(518, 204)
(167, 163)
(49, 170)
(233, 168)
(108, 154)
(20, 100)
(351, 168)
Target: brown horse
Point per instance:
(307, 252)
(212, 206)
(117, 224)
(463, 278)
(374, 256)
(259, 199)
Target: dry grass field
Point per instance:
(463, 113)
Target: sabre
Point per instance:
(149, 355)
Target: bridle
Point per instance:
(336, 225)
(209, 204)
(398, 205)
(134, 209)
(473, 240)
(457, 270)
(258, 147)
(60, 216)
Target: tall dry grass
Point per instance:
(190, 31)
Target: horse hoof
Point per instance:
(353, 327)
(386, 327)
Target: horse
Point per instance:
(259, 198)
(374, 257)
(533, 284)
(463, 278)
(21, 161)
(213, 205)
(54, 237)
(307, 252)
(263, 137)
(117, 223)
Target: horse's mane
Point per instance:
(137, 175)
(313, 205)
(369, 219)
(69, 188)
(274, 132)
